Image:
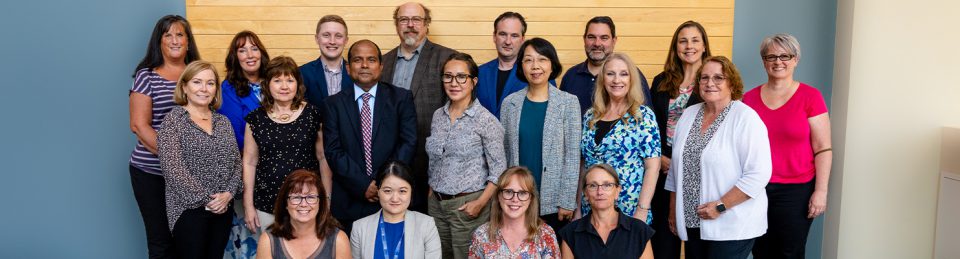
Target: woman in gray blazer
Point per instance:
(542, 128)
(394, 229)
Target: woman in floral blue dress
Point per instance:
(618, 130)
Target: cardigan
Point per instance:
(561, 146)
(737, 155)
(420, 236)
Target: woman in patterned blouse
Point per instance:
(720, 166)
(200, 163)
(620, 131)
(515, 230)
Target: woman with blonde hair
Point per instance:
(515, 229)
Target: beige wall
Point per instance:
(896, 84)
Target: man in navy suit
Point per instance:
(325, 76)
(365, 125)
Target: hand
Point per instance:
(250, 217)
(472, 208)
(708, 210)
(371, 193)
(664, 164)
(641, 214)
(564, 214)
(220, 203)
(672, 222)
(818, 204)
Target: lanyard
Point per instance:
(383, 240)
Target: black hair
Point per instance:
(154, 56)
(350, 51)
(394, 168)
(514, 15)
(543, 47)
(604, 20)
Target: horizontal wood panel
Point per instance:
(468, 3)
(449, 28)
(624, 43)
(441, 14)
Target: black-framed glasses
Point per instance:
(716, 79)
(782, 57)
(461, 78)
(297, 200)
(508, 194)
(415, 20)
(603, 187)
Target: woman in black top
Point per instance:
(671, 93)
(605, 232)
(283, 135)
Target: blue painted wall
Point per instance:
(65, 138)
(813, 22)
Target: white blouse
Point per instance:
(737, 155)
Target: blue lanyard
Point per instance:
(383, 240)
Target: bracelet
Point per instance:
(643, 208)
(821, 151)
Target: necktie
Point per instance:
(366, 126)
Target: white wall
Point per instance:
(896, 83)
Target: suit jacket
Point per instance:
(561, 146)
(394, 134)
(315, 81)
(428, 94)
(420, 236)
(487, 86)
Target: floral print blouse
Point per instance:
(543, 246)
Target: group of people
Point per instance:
(421, 153)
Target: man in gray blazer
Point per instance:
(416, 65)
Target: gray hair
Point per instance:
(784, 40)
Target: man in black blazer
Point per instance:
(392, 132)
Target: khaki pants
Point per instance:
(455, 227)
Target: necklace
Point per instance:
(282, 117)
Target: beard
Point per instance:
(597, 57)
(410, 40)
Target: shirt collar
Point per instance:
(471, 110)
(415, 52)
(623, 222)
(357, 91)
(582, 69)
(326, 68)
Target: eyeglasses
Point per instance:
(311, 199)
(783, 57)
(416, 20)
(461, 78)
(603, 187)
(716, 79)
(508, 194)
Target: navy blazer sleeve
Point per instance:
(349, 173)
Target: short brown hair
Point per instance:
(332, 18)
(729, 71)
(194, 68)
(606, 168)
(533, 220)
(282, 66)
(294, 183)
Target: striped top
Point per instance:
(160, 91)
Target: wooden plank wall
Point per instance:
(644, 27)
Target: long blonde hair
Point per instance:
(601, 98)
(532, 215)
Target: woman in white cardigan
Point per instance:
(720, 168)
(394, 229)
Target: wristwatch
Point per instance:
(720, 207)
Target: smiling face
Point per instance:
(249, 57)
(173, 45)
(690, 45)
(598, 42)
(456, 91)
(779, 69)
(331, 38)
(536, 67)
(508, 37)
(364, 65)
(283, 88)
(616, 79)
(411, 24)
(514, 208)
(304, 212)
(200, 89)
(394, 195)
(599, 198)
(714, 85)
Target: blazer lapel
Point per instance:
(353, 112)
(389, 62)
(554, 113)
(426, 54)
(323, 78)
(513, 83)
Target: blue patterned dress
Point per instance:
(624, 148)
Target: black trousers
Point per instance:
(787, 221)
(553, 222)
(666, 245)
(199, 233)
(149, 190)
(697, 248)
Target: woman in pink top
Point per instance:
(799, 129)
